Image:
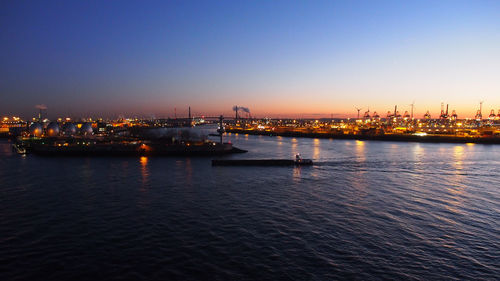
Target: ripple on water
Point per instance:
(380, 211)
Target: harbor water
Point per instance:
(366, 210)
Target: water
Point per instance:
(365, 211)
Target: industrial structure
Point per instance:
(369, 124)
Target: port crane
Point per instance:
(479, 113)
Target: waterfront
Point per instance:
(365, 210)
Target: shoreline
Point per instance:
(397, 138)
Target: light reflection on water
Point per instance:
(189, 172)
(297, 174)
(316, 145)
(144, 171)
(294, 146)
(360, 150)
(457, 189)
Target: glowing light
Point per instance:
(144, 161)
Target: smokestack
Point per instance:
(189, 117)
(40, 107)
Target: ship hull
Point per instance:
(209, 149)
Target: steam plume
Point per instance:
(242, 108)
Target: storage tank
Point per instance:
(36, 129)
(52, 129)
(86, 129)
(69, 129)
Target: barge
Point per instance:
(261, 162)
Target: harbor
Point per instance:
(171, 137)
(82, 140)
(406, 127)
(250, 140)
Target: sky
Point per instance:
(278, 58)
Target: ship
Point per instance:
(122, 147)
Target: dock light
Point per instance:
(420, 134)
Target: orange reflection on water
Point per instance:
(144, 171)
(144, 161)
(294, 146)
(360, 150)
(316, 150)
(458, 153)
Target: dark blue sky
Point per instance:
(276, 57)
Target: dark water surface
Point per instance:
(365, 211)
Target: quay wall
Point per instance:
(386, 137)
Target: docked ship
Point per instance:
(122, 147)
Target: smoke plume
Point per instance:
(241, 108)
